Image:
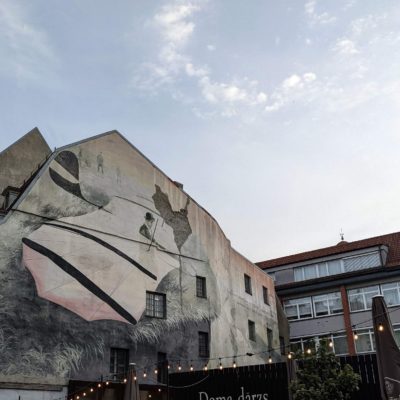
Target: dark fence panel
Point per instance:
(366, 366)
(255, 382)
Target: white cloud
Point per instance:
(25, 51)
(346, 46)
(191, 70)
(314, 17)
(295, 87)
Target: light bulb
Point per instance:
(234, 364)
(380, 328)
(308, 351)
(330, 343)
(355, 335)
(289, 356)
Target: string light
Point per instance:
(205, 367)
(179, 366)
(107, 383)
(234, 363)
(168, 366)
(159, 389)
(91, 389)
(380, 328)
(156, 371)
(270, 359)
(191, 367)
(308, 351)
(355, 335)
(220, 364)
(289, 356)
(125, 380)
(84, 394)
(144, 374)
(330, 343)
(134, 378)
(99, 385)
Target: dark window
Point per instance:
(162, 367)
(201, 288)
(282, 345)
(270, 338)
(247, 284)
(156, 305)
(252, 330)
(203, 345)
(265, 295)
(119, 360)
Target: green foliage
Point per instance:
(320, 376)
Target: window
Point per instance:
(119, 360)
(252, 330)
(366, 341)
(361, 262)
(272, 275)
(203, 345)
(339, 341)
(201, 288)
(270, 338)
(298, 308)
(361, 298)
(338, 266)
(327, 304)
(391, 293)
(162, 366)
(282, 345)
(247, 284)
(265, 295)
(156, 305)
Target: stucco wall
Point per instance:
(19, 160)
(99, 227)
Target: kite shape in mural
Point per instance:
(98, 265)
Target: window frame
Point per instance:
(285, 306)
(363, 294)
(266, 295)
(247, 284)
(154, 313)
(328, 299)
(204, 348)
(251, 325)
(115, 362)
(201, 282)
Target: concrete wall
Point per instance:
(99, 227)
(19, 160)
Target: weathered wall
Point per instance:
(97, 228)
(21, 159)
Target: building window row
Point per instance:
(339, 343)
(360, 299)
(313, 306)
(248, 289)
(338, 266)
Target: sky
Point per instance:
(281, 118)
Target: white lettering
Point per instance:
(241, 397)
(201, 396)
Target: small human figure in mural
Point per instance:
(100, 163)
(118, 175)
(145, 229)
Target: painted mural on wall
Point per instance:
(99, 228)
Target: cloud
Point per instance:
(25, 50)
(295, 87)
(175, 25)
(316, 18)
(346, 46)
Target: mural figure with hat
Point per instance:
(145, 229)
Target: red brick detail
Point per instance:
(347, 321)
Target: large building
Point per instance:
(104, 261)
(327, 293)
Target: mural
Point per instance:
(99, 228)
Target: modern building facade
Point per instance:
(327, 293)
(104, 261)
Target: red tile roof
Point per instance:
(392, 240)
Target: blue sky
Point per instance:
(280, 117)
